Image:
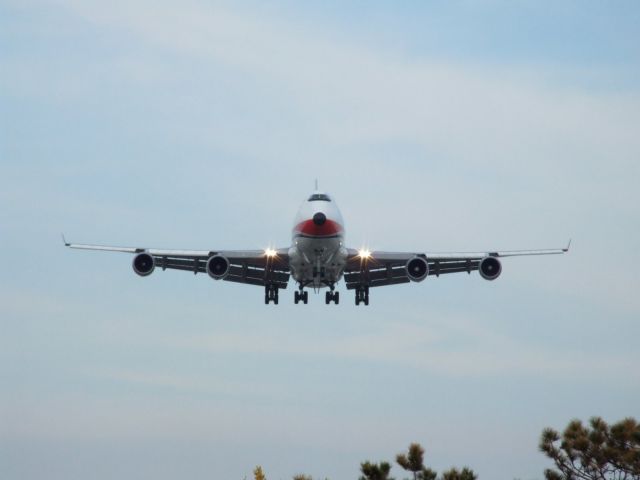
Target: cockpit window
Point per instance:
(319, 197)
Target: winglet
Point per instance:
(64, 240)
(568, 246)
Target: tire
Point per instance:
(327, 298)
(336, 298)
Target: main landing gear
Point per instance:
(332, 297)
(362, 295)
(270, 294)
(300, 295)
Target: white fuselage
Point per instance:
(317, 257)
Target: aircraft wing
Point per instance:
(379, 268)
(254, 267)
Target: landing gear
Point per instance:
(270, 294)
(362, 295)
(332, 297)
(300, 295)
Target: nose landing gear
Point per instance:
(362, 295)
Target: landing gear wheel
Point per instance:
(362, 295)
(332, 297)
(270, 293)
(301, 296)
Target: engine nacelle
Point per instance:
(417, 269)
(143, 264)
(218, 267)
(490, 268)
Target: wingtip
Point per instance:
(64, 240)
(568, 246)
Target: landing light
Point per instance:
(269, 252)
(364, 254)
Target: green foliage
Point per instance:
(258, 474)
(375, 471)
(594, 452)
(413, 461)
(455, 474)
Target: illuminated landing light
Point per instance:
(270, 252)
(364, 254)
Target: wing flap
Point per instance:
(375, 275)
(254, 271)
(438, 267)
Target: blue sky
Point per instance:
(437, 126)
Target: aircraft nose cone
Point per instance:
(319, 218)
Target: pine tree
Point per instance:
(374, 471)
(258, 474)
(595, 452)
(413, 461)
(455, 474)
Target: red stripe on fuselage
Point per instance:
(328, 229)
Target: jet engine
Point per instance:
(143, 264)
(417, 269)
(218, 267)
(490, 268)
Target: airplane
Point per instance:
(318, 258)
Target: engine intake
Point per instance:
(417, 269)
(143, 264)
(218, 267)
(490, 268)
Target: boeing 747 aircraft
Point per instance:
(318, 258)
